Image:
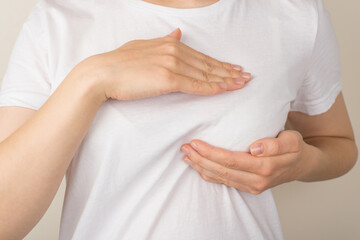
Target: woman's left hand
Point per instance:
(271, 161)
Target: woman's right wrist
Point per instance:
(90, 74)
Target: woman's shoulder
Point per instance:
(294, 7)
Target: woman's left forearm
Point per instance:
(328, 157)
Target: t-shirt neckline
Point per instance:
(209, 9)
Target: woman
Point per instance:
(115, 120)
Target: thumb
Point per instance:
(286, 142)
(176, 34)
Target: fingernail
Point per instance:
(195, 146)
(185, 150)
(239, 81)
(223, 85)
(236, 67)
(245, 75)
(187, 160)
(257, 149)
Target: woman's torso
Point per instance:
(128, 179)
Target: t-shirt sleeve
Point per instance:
(322, 83)
(26, 80)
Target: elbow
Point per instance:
(353, 155)
(356, 153)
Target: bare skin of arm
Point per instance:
(332, 137)
(34, 158)
(36, 147)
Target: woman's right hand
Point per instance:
(145, 68)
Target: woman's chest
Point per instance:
(232, 119)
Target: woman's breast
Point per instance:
(128, 138)
(231, 119)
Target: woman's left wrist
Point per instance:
(309, 162)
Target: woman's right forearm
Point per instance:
(34, 159)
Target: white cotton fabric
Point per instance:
(128, 179)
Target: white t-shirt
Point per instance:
(128, 179)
